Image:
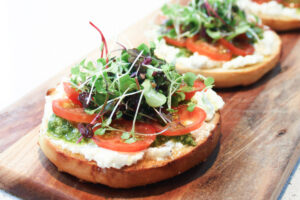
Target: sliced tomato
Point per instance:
(71, 93)
(198, 86)
(290, 3)
(66, 109)
(175, 42)
(184, 122)
(113, 140)
(242, 47)
(261, 1)
(215, 52)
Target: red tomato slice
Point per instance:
(178, 43)
(185, 123)
(215, 52)
(71, 93)
(66, 109)
(290, 3)
(244, 47)
(261, 1)
(113, 140)
(198, 86)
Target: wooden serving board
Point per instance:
(260, 143)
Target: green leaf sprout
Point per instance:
(215, 18)
(136, 86)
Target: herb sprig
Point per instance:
(135, 86)
(212, 19)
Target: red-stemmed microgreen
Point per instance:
(122, 45)
(210, 9)
(137, 83)
(79, 140)
(103, 41)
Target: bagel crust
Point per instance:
(143, 172)
(280, 23)
(244, 76)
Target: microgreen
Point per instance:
(100, 131)
(143, 47)
(189, 78)
(125, 136)
(131, 140)
(191, 106)
(127, 82)
(136, 85)
(209, 81)
(214, 19)
(103, 41)
(153, 98)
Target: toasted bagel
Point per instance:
(144, 172)
(241, 76)
(273, 14)
(280, 23)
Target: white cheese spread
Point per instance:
(164, 151)
(209, 101)
(271, 9)
(166, 52)
(264, 47)
(106, 158)
(203, 132)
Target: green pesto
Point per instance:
(184, 139)
(62, 129)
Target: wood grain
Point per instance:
(260, 144)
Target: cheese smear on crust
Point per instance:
(263, 48)
(105, 158)
(271, 9)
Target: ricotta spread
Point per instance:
(209, 101)
(264, 47)
(164, 151)
(271, 9)
(105, 158)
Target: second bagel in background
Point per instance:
(216, 38)
(280, 15)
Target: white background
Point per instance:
(40, 38)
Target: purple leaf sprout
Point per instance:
(147, 60)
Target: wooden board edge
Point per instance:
(286, 174)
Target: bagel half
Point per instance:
(143, 172)
(279, 20)
(244, 76)
(280, 23)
